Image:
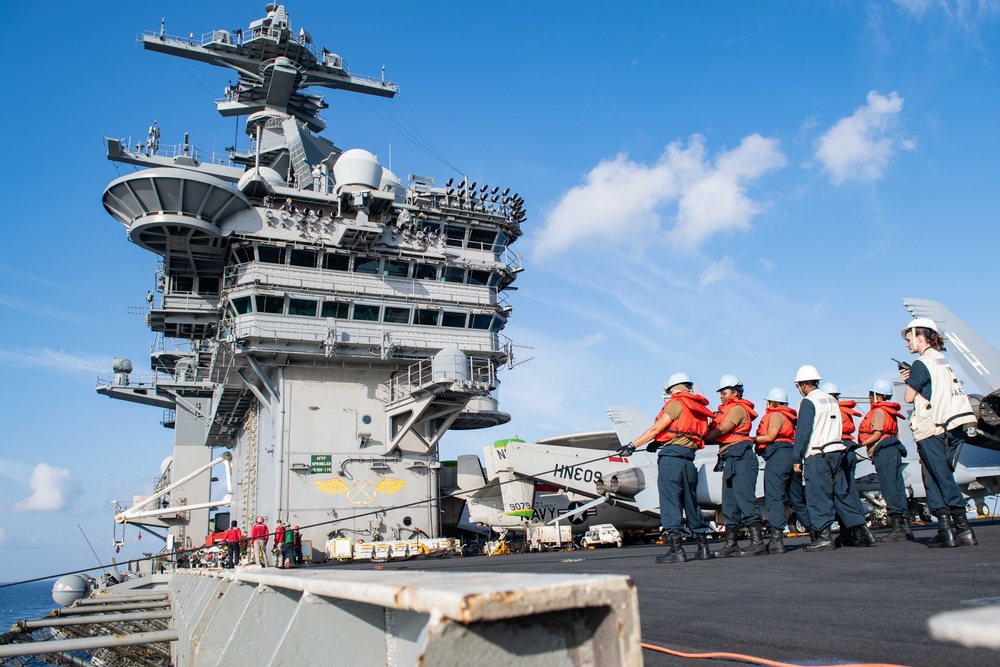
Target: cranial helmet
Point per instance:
(777, 395)
(921, 323)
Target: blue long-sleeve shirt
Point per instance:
(803, 429)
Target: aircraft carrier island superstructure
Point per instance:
(318, 323)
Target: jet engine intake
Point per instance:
(625, 483)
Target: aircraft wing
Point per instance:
(629, 423)
(979, 359)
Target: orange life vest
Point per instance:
(889, 428)
(848, 413)
(787, 431)
(693, 422)
(742, 431)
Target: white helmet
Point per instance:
(676, 379)
(830, 388)
(807, 373)
(778, 395)
(728, 381)
(921, 323)
(881, 387)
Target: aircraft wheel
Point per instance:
(925, 513)
(984, 510)
(584, 543)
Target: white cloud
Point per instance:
(592, 339)
(718, 271)
(965, 14)
(56, 360)
(3, 534)
(623, 202)
(860, 146)
(51, 489)
(766, 263)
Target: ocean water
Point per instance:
(25, 601)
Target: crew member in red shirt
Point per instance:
(233, 537)
(258, 542)
(279, 540)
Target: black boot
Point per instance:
(864, 537)
(756, 546)
(845, 538)
(963, 533)
(946, 532)
(823, 542)
(703, 552)
(906, 528)
(896, 534)
(676, 553)
(730, 548)
(777, 543)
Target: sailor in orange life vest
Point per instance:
(877, 434)
(775, 435)
(678, 432)
(941, 412)
(818, 440)
(739, 465)
(850, 465)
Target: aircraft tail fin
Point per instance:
(629, 423)
(470, 473)
(975, 356)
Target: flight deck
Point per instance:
(854, 605)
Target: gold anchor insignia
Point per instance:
(361, 492)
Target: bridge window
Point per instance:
(337, 309)
(497, 325)
(305, 258)
(454, 274)
(270, 254)
(302, 307)
(480, 321)
(334, 262)
(478, 277)
(365, 313)
(241, 305)
(270, 304)
(366, 265)
(243, 254)
(182, 284)
(395, 268)
(453, 319)
(501, 242)
(482, 239)
(394, 315)
(454, 236)
(427, 318)
(208, 286)
(425, 272)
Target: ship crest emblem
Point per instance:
(361, 491)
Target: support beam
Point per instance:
(88, 643)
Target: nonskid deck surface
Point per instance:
(847, 606)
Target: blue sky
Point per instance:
(725, 188)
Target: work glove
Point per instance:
(627, 450)
(652, 447)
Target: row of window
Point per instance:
(202, 285)
(365, 312)
(390, 268)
